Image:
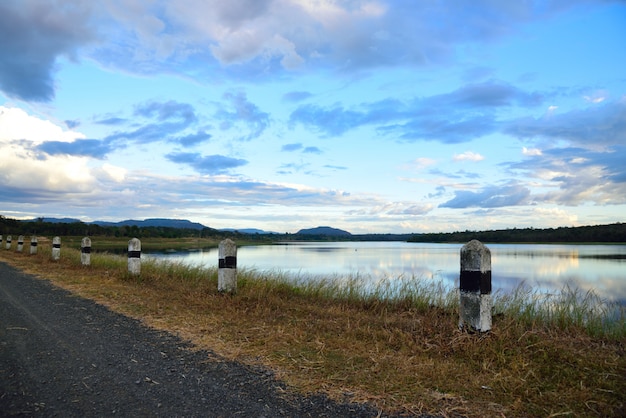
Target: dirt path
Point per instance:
(61, 355)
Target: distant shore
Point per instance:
(173, 230)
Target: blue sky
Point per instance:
(373, 116)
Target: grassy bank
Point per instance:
(120, 244)
(561, 357)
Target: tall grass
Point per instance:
(568, 309)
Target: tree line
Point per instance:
(40, 227)
(611, 233)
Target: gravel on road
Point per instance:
(65, 356)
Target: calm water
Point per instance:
(547, 267)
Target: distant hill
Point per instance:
(155, 222)
(325, 230)
(151, 222)
(170, 223)
(55, 220)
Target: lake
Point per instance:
(546, 267)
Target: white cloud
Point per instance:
(596, 97)
(27, 173)
(16, 124)
(531, 152)
(118, 174)
(340, 34)
(468, 156)
(330, 13)
(576, 177)
(22, 172)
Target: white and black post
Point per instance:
(56, 248)
(134, 256)
(85, 251)
(33, 245)
(8, 246)
(227, 263)
(475, 287)
(20, 243)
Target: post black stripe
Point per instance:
(229, 262)
(475, 281)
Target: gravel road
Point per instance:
(65, 356)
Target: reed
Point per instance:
(394, 343)
(568, 309)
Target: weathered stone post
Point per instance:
(134, 256)
(20, 243)
(33, 245)
(475, 287)
(8, 247)
(85, 251)
(227, 267)
(56, 248)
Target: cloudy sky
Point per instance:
(366, 115)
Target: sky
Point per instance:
(372, 116)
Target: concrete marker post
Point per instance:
(227, 267)
(56, 248)
(134, 256)
(85, 251)
(9, 238)
(33, 245)
(20, 243)
(475, 287)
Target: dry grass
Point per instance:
(400, 355)
(117, 244)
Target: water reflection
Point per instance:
(548, 268)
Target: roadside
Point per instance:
(406, 356)
(62, 355)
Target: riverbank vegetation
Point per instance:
(400, 353)
(612, 233)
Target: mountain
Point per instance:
(152, 222)
(169, 223)
(55, 220)
(186, 224)
(325, 230)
